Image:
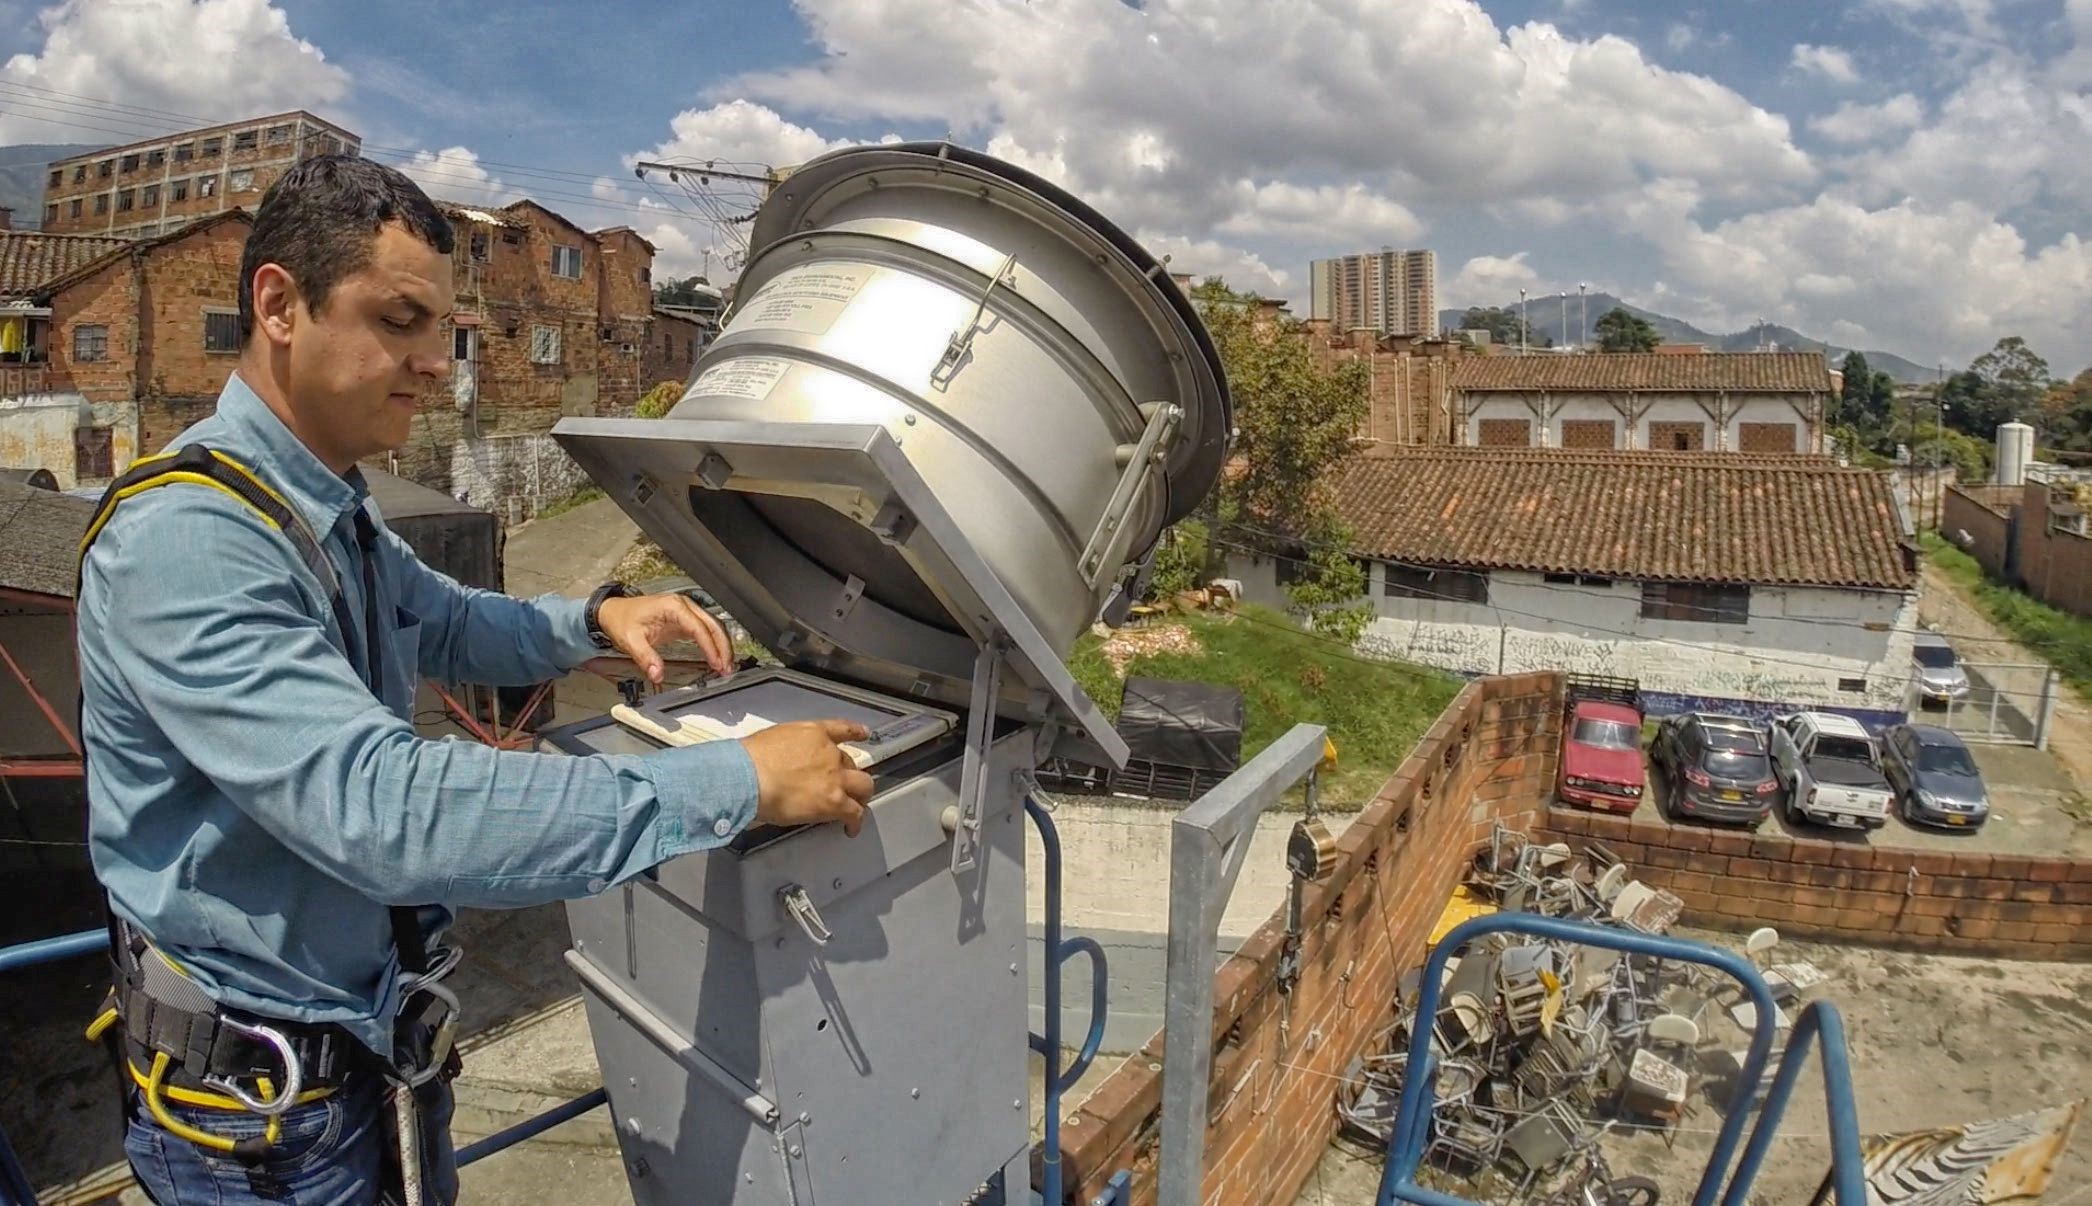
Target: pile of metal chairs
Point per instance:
(1538, 1043)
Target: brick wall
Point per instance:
(1986, 517)
(2004, 906)
(671, 350)
(2054, 564)
(1490, 755)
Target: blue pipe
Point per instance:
(1406, 1147)
(50, 950)
(1819, 1022)
(1058, 952)
(501, 1141)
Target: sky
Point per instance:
(1912, 175)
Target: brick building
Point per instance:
(161, 184)
(1771, 402)
(672, 351)
(123, 343)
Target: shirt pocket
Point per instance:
(404, 647)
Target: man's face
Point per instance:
(358, 365)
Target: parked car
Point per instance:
(1601, 763)
(1941, 679)
(1715, 768)
(1935, 777)
(1831, 770)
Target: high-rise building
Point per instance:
(162, 184)
(1393, 292)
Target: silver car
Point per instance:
(1940, 676)
(1935, 778)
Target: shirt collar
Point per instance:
(321, 495)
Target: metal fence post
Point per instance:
(2046, 712)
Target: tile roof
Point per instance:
(1654, 516)
(40, 533)
(31, 259)
(1763, 372)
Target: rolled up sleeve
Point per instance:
(221, 647)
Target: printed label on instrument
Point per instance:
(750, 377)
(805, 300)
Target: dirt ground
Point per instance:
(1933, 1041)
(1943, 606)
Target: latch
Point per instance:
(1107, 544)
(961, 342)
(1311, 853)
(800, 908)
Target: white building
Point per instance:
(1772, 402)
(1746, 584)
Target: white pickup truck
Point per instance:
(1831, 770)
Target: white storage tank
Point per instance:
(2015, 449)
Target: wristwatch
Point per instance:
(609, 590)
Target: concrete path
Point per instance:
(1944, 605)
(570, 553)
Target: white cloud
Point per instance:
(455, 174)
(1852, 122)
(2008, 135)
(1204, 258)
(1336, 217)
(1487, 280)
(1829, 62)
(739, 133)
(1681, 37)
(165, 56)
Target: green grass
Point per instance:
(1375, 710)
(559, 506)
(2060, 638)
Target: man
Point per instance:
(265, 819)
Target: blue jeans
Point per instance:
(329, 1153)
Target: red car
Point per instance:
(1601, 763)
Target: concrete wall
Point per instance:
(1653, 408)
(1800, 642)
(36, 432)
(2054, 563)
(1276, 1057)
(512, 476)
(1985, 513)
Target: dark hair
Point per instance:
(320, 218)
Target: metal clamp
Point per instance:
(955, 349)
(293, 1075)
(424, 1068)
(1107, 544)
(973, 768)
(800, 908)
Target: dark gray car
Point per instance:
(1935, 778)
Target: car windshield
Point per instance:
(1735, 741)
(1606, 734)
(1934, 657)
(1946, 760)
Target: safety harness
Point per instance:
(179, 1045)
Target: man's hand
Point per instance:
(804, 778)
(638, 624)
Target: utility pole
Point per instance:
(1565, 317)
(1583, 317)
(1521, 322)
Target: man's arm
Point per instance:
(198, 606)
(482, 636)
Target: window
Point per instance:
(566, 261)
(151, 196)
(1696, 602)
(80, 174)
(1589, 433)
(101, 203)
(1946, 760)
(482, 249)
(241, 181)
(124, 200)
(243, 141)
(1606, 734)
(461, 343)
(130, 164)
(1576, 580)
(1677, 437)
(184, 152)
(1854, 685)
(221, 331)
(210, 147)
(50, 213)
(178, 191)
(279, 134)
(73, 208)
(154, 159)
(1504, 433)
(57, 175)
(94, 452)
(105, 168)
(1765, 437)
(544, 345)
(1418, 582)
(206, 185)
(90, 343)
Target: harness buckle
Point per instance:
(293, 1074)
(414, 1063)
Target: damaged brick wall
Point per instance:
(1490, 755)
(1972, 903)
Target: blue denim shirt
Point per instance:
(254, 808)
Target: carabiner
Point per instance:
(293, 1075)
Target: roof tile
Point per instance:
(1763, 372)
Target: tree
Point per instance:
(2003, 385)
(685, 291)
(1619, 331)
(2066, 414)
(1503, 326)
(659, 400)
(1296, 418)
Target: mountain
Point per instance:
(22, 171)
(1547, 318)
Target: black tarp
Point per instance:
(455, 537)
(1185, 724)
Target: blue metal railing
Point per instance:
(1058, 952)
(15, 1189)
(1819, 1021)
